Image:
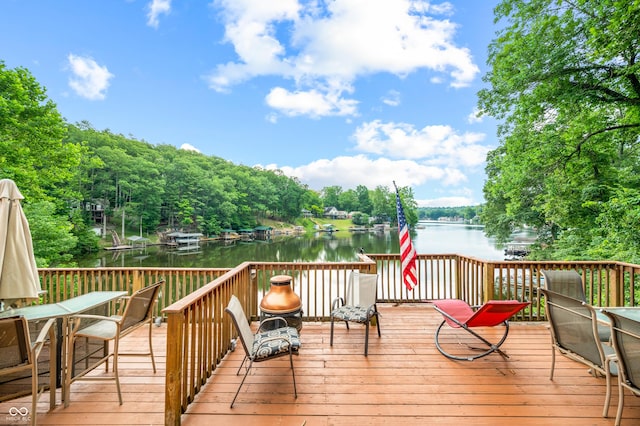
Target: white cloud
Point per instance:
(392, 98)
(475, 116)
(347, 172)
(436, 145)
(320, 50)
(189, 147)
(156, 8)
(312, 103)
(447, 202)
(89, 79)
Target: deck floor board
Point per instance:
(403, 380)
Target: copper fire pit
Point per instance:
(282, 301)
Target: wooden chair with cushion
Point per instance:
(137, 312)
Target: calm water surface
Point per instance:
(340, 246)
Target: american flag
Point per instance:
(407, 252)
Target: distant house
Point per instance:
(382, 227)
(333, 213)
(306, 213)
(262, 232)
(229, 235)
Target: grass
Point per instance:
(339, 224)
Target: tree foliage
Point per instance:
(565, 83)
(66, 170)
(34, 154)
(32, 150)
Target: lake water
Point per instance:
(429, 238)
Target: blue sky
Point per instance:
(342, 92)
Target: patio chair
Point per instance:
(569, 283)
(19, 355)
(626, 342)
(574, 334)
(459, 315)
(136, 312)
(359, 306)
(263, 345)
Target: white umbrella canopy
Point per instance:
(18, 271)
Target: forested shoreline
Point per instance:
(67, 172)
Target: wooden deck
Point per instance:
(404, 380)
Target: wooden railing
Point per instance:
(199, 334)
(63, 283)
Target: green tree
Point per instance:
(364, 200)
(409, 205)
(348, 200)
(311, 201)
(32, 151)
(53, 239)
(565, 84)
(383, 204)
(35, 155)
(331, 196)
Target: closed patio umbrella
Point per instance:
(18, 272)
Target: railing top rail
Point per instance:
(131, 268)
(554, 262)
(181, 304)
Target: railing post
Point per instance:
(616, 281)
(253, 294)
(370, 267)
(487, 282)
(137, 281)
(460, 294)
(173, 374)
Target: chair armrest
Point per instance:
(45, 330)
(122, 302)
(371, 310)
(337, 302)
(270, 319)
(76, 320)
(274, 338)
(37, 346)
(96, 317)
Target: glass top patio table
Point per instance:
(72, 306)
(632, 313)
(62, 311)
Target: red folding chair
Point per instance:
(458, 315)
